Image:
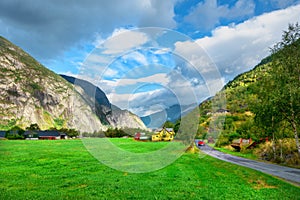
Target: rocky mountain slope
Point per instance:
(30, 93)
(109, 114)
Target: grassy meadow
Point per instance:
(64, 169)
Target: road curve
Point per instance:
(287, 173)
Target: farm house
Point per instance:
(164, 134)
(44, 135)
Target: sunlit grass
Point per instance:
(65, 170)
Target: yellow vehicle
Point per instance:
(164, 134)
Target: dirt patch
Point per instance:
(260, 184)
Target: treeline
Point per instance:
(116, 132)
(17, 133)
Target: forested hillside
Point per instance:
(262, 103)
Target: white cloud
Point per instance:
(98, 58)
(198, 65)
(136, 56)
(48, 28)
(237, 48)
(162, 51)
(109, 73)
(156, 78)
(139, 103)
(123, 40)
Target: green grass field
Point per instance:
(64, 169)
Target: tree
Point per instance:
(70, 132)
(286, 72)
(33, 127)
(177, 125)
(279, 96)
(115, 133)
(15, 133)
(168, 124)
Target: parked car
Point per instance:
(201, 143)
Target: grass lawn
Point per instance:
(64, 169)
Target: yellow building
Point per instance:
(164, 134)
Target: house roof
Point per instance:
(47, 133)
(169, 129)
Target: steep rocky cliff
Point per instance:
(109, 114)
(30, 93)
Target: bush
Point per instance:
(14, 136)
(285, 152)
(69, 132)
(222, 141)
(233, 135)
(115, 133)
(99, 134)
(15, 133)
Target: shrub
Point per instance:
(115, 133)
(285, 152)
(222, 141)
(233, 135)
(14, 136)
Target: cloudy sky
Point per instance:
(148, 55)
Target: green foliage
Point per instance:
(132, 131)
(99, 134)
(33, 127)
(168, 124)
(264, 102)
(8, 124)
(201, 133)
(15, 133)
(115, 133)
(35, 86)
(14, 136)
(177, 125)
(285, 152)
(279, 100)
(233, 135)
(70, 132)
(58, 122)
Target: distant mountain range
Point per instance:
(172, 113)
(30, 93)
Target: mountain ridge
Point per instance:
(30, 93)
(108, 113)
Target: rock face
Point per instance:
(30, 93)
(122, 118)
(108, 114)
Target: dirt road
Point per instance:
(287, 173)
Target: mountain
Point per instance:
(109, 114)
(172, 113)
(31, 93)
(235, 101)
(259, 103)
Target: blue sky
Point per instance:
(196, 47)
